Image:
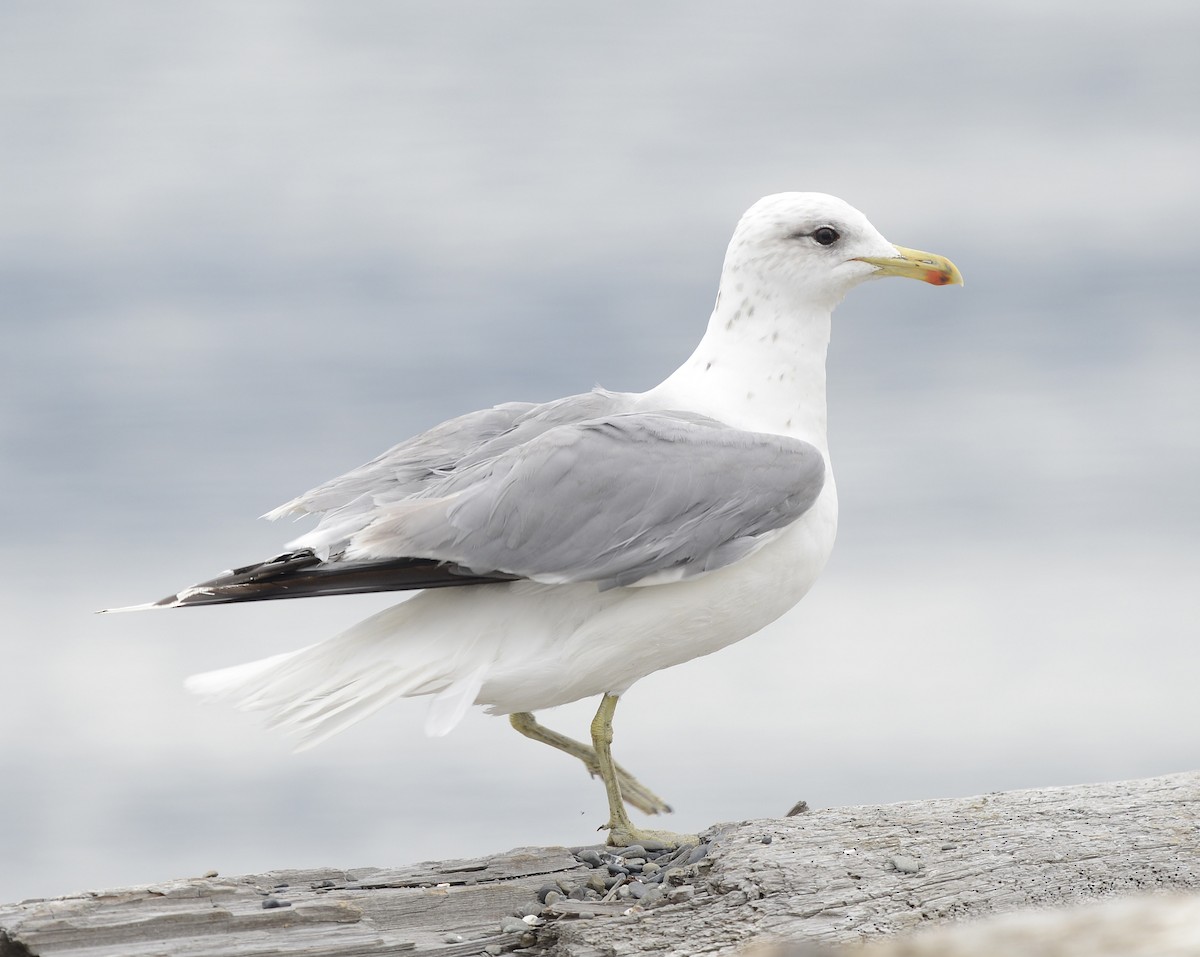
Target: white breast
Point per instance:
(627, 633)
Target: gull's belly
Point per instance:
(632, 632)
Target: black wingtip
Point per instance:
(302, 574)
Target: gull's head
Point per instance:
(816, 247)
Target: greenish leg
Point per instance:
(632, 790)
(621, 832)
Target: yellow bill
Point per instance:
(914, 264)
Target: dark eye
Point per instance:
(826, 235)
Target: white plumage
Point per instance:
(643, 530)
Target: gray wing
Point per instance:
(406, 469)
(611, 499)
(574, 490)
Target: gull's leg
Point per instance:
(621, 832)
(632, 790)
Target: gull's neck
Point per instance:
(760, 365)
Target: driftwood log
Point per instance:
(799, 885)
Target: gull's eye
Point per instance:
(826, 235)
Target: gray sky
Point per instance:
(246, 246)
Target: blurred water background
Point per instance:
(244, 246)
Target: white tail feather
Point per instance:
(448, 707)
(318, 691)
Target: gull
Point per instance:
(565, 549)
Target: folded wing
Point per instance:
(580, 490)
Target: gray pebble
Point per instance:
(578, 894)
(766, 838)
(617, 869)
(679, 895)
(698, 853)
(513, 925)
(652, 896)
(633, 850)
(553, 897)
(654, 845)
(544, 890)
(494, 950)
(637, 889)
(598, 882)
(272, 902)
(905, 864)
(452, 938)
(589, 857)
(650, 868)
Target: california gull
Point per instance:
(566, 549)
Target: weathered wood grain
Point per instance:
(821, 878)
(842, 874)
(355, 913)
(1146, 925)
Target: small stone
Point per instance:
(578, 894)
(654, 845)
(637, 889)
(589, 857)
(766, 838)
(452, 938)
(635, 864)
(272, 902)
(698, 853)
(513, 925)
(650, 868)
(598, 882)
(211, 874)
(653, 895)
(493, 950)
(905, 864)
(552, 898)
(281, 886)
(680, 895)
(322, 884)
(614, 868)
(634, 850)
(623, 892)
